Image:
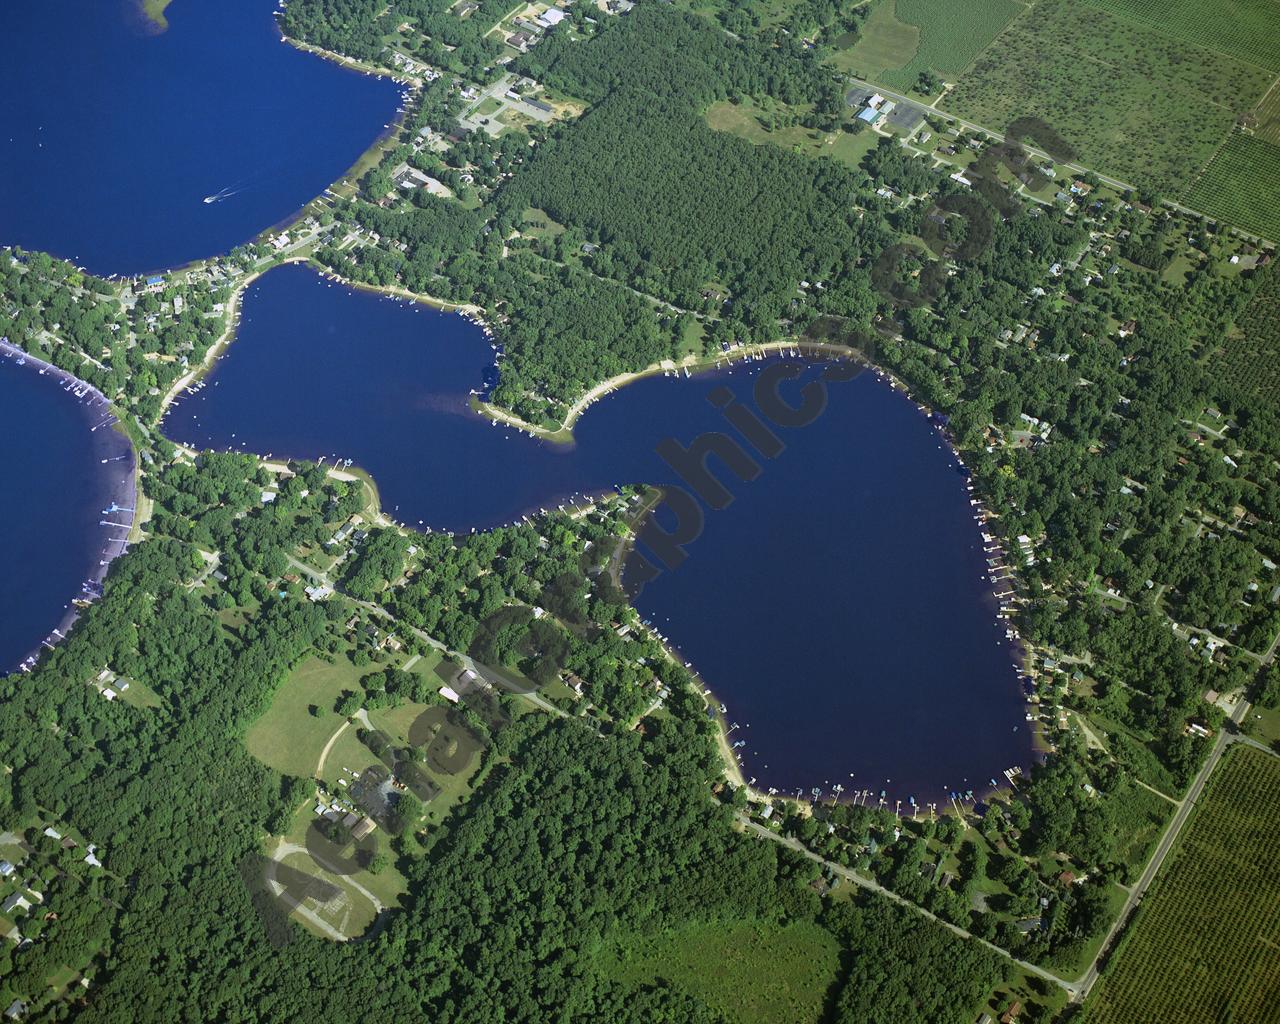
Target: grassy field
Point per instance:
(154, 10)
(1263, 725)
(951, 35)
(454, 786)
(1241, 185)
(540, 224)
(347, 752)
(140, 695)
(750, 121)
(1145, 815)
(354, 910)
(1133, 102)
(761, 973)
(1205, 946)
(288, 737)
(1245, 29)
(884, 43)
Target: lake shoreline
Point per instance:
(563, 434)
(403, 505)
(113, 448)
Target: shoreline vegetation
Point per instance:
(121, 485)
(1084, 911)
(350, 63)
(562, 434)
(153, 11)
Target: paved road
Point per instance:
(871, 886)
(1180, 816)
(492, 676)
(1079, 988)
(1116, 183)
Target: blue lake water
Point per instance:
(837, 606)
(112, 135)
(55, 488)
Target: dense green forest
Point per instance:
(1151, 499)
(574, 837)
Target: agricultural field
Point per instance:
(1264, 121)
(1245, 29)
(884, 43)
(1249, 361)
(749, 970)
(951, 35)
(1205, 945)
(1241, 186)
(1135, 103)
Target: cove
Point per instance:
(837, 606)
(111, 135)
(66, 483)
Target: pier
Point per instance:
(114, 455)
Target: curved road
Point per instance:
(1078, 989)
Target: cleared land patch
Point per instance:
(749, 970)
(884, 43)
(1241, 185)
(951, 35)
(1246, 29)
(762, 126)
(1206, 944)
(352, 910)
(288, 737)
(1132, 101)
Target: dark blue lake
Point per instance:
(62, 467)
(111, 135)
(837, 606)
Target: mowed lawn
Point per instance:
(288, 737)
(750, 971)
(1133, 102)
(1205, 944)
(749, 121)
(454, 785)
(352, 911)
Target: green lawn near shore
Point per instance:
(154, 10)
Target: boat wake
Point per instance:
(222, 194)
